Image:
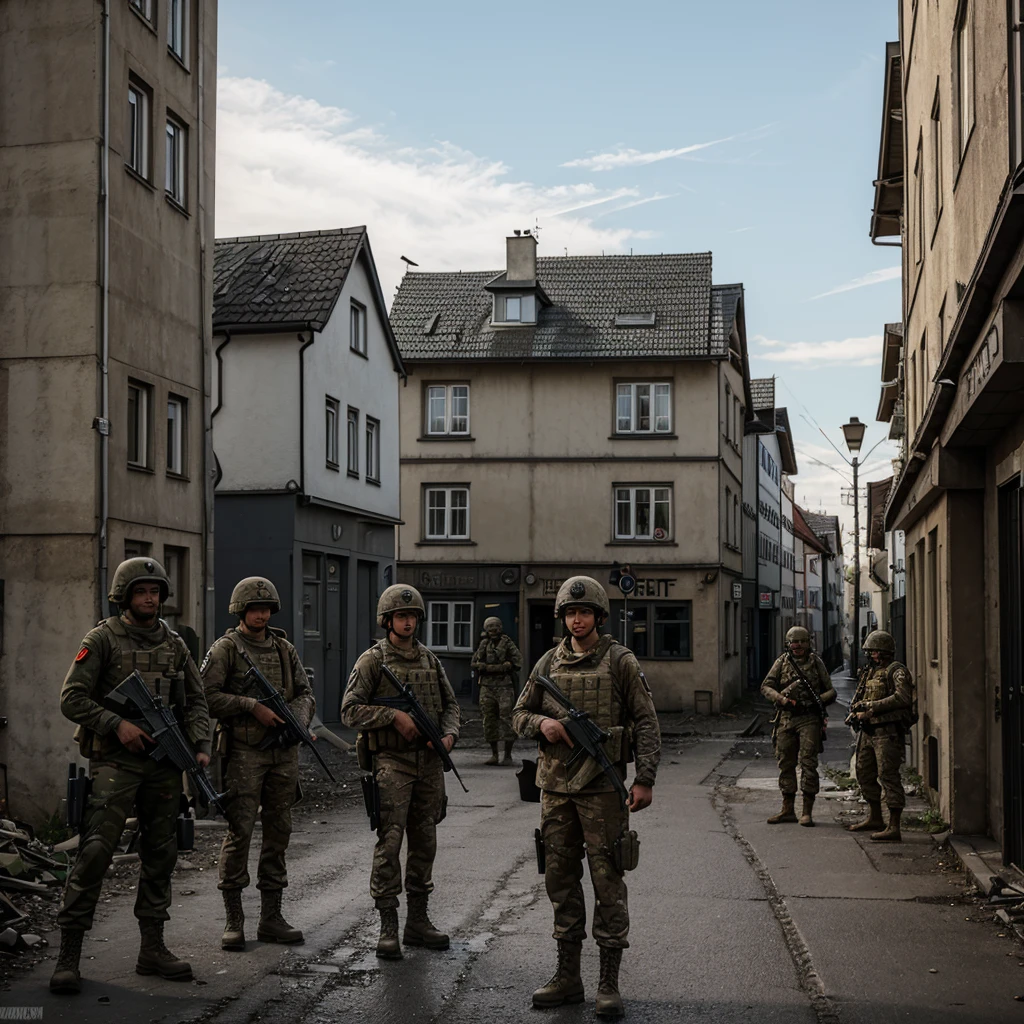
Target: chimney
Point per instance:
(521, 257)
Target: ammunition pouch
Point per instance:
(443, 812)
(538, 842)
(529, 791)
(626, 852)
(371, 799)
(79, 788)
(222, 741)
(363, 756)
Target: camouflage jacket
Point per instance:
(783, 682)
(888, 692)
(620, 694)
(497, 661)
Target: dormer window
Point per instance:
(515, 309)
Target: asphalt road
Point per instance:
(733, 920)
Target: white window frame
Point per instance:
(965, 74)
(143, 393)
(137, 155)
(629, 495)
(451, 425)
(442, 615)
(443, 513)
(352, 433)
(357, 327)
(372, 435)
(176, 435)
(628, 421)
(175, 160)
(177, 28)
(332, 431)
(144, 8)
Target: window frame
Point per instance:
(312, 585)
(448, 490)
(937, 193)
(357, 328)
(450, 624)
(644, 614)
(181, 430)
(919, 202)
(631, 393)
(144, 9)
(448, 397)
(352, 442)
(139, 143)
(142, 436)
(371, 434)
(632, 489)
(178, 580)
(965, 95)
(332, 432)
(181, 8)
(177, 131)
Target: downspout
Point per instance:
(102, 424)
(302, 412)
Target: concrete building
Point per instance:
(107, 157)
(574, 415)
(833, 587)
(952, 158)
(304, 347)
(810, 552)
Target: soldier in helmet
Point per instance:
(409, 773)
(123, 774)
(884, 707)
(261, 774)
(580, 809)
(497, 662)
(792, 684)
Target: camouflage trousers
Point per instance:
(412, 802)
(568, 821)
(264, 782)
(797, 740)
(879, 758)
(119, 785)
(496, 702)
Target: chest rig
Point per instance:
(159, 666)
(275, 663)
(421, 677)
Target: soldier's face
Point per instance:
(579, 620)
(256, 617)
(403, 624)
(494, 632)
(876, 657)
(144, 603)
(799, 648)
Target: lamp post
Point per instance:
(854, 434)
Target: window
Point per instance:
(357, 328)
(513, 309)
(736, 520)
(311, 577)
(372, 450)
(936, 159)
(143, 7)
(919, 210)
(448, 409)
(913, 394)
(175, 165)
(965, 74)
(177, 27)
(138, 424)
(332, 411)
(736, 627)
(634, 413)
(137, 143)
(643, 513)
(737, 436)
(175, 564)
(933, 596)
(728, 516)
(726, 629)
(728, 413)
(655, 629)
(176, 435)
(353, 442)
(447, 513)
(1017, 81)
(925, 377)
(136, 548)
(450, 625)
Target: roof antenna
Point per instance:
(408, 261)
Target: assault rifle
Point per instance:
(170, 743)
(291, 730)
(406, 701)
(587, 737)
(815, 696)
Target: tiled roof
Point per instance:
(725, 298)
(824, 525)
(264, 280)
(762, 393)
(448, 315)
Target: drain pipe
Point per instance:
(102, 422)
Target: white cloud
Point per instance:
(813, 355)
(624, 157)
(288, 163)
(875, 277)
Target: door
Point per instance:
(313, 621)
(1011, 627)
(764, 643)
(544, 631)
(334, 639)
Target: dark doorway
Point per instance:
(1011, 631)
(366, 604)
(312, 621)
(506, 611)
(334, 639)
(544, 631)
(765, 653)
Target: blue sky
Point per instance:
(746, 128)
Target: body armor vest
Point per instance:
(793, 687)
(275, 663)
(159, 666)
(421, 677)
(496, 652)
(877, 685)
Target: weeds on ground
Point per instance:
(931, 821)
(53, 830)
(843, 780)
(912, 781)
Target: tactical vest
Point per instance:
(793, 687)
(422, 678)
(276, 664)
(496, 652)
(879, 684)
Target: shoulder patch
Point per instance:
(206, 661)
(646, 685)
(900, 675)
(82, 654)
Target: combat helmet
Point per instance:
(137, 570)
(879, 640)
(492, 620)
(797, 634)
(253, 590)
(399, 597)
(583, 590)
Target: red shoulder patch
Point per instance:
(82, 654)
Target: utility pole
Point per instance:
(855, 644)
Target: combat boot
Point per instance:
(273, 927)
(609, 1002)
(873, 822)
(493, 759)
(805, 817)
(234, 920)
(419, 931)
(387, 945)
(566, 985)
(66, 979)
(788, 812)
(891, 833)
(155, 957)
(508, 752)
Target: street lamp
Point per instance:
(854, 434)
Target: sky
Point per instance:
(749, 129)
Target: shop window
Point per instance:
(656, 629)
(450, 625)
(311, 586)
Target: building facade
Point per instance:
(578, 415)
(105, 292)
(306, 439)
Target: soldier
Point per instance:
(580, 809)
(498, 661)
(123, 775)
(884, 707)
(792, 684)
(260, 776)
(408, 772)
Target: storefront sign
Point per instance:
(447, 581)
(645, 587)
(765, 599)
(737, 591)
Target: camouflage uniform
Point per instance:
(581, 811)
(880, 744)
(121, 779)
(797, 731)
(497, 662)
(256, 778)
(409, 775)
